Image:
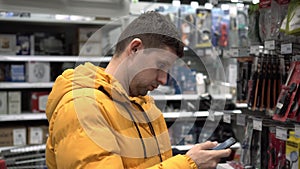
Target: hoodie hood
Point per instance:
(86, 76)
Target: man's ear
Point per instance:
(134, 46)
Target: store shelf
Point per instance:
(189, 97)
(23, 117)
(53, 20)
(168, 115)
(25, 85)
(176, 97)
(187, 147)
(18, 58)
(174, 115)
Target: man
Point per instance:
(103, 118)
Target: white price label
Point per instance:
(200, 52)
(254, 50)
(227, 118)
(241, 119)
(286, 48)
(281, 133)
(257, 124)
(235, 52)
(270, 45)
(297, 131)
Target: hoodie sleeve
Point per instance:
(176, 162)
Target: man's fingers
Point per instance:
(207, 145)
(222, 153)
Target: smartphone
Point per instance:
(226, 144)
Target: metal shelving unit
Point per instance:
(36, 58)
(25, 85)
(23, 117)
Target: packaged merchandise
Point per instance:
(292, 151)
(37, 134)
(3, 102)
(38, 71)
(203, 24)
(24, 44)
(253, 30)
(39, 101)
(7, 44)
(13, 136)
(14, 102)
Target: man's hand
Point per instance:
(205, 158)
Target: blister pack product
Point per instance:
(253, 29)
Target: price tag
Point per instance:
(227, 118)
(234, 52)
(281, 133)
(200, 52)
(297, 131)
(254, 50)
(270, 45)
(257, 124)
(240, 119)
(286, 48)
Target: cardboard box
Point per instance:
(17, 72)
(38, 72)
(7, 43)
(19, 136)
(6, 137)
(39, 101)
(37, 135)
(12, 136)
(14, 102)
(292, 151)
(3, 102)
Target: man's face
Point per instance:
(150, 70)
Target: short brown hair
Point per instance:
(154, 30)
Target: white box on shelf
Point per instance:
(14, 102)
(19, 136)
(8, 44)
(3, 102)
(35, 135)
(38, 72)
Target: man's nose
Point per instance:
(162, 77)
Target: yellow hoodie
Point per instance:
(93, 124)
